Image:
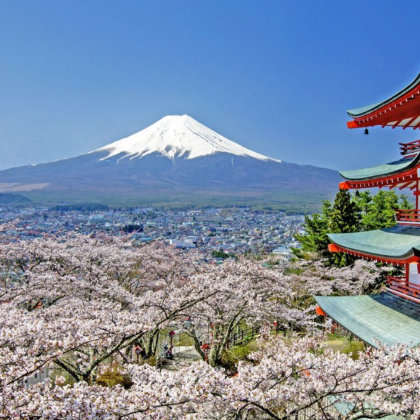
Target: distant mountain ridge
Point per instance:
(13, 199)
(177, 158)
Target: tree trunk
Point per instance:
(149, 343)
(197, 344)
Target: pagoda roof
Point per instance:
(400, 110)
(385, 317)
(381, 171)
(397, 244)
(365, 110)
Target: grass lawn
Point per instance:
(344, 345)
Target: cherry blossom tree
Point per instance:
(313, 277)
(97, 295)
(78, 304)
(285, 380)
(243, 292)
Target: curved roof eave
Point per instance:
(359, 112)
(396, 243)
(397, 319)
(381, 171)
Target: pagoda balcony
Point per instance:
(408, 217)
(400, 287)
(411, 149)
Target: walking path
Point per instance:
(183, 355)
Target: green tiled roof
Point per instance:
(385, 317)
(397, 242)
(381, 170)
(359, 112)
(344, 408)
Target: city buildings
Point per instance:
(213, 231)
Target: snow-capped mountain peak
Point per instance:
(176, 136)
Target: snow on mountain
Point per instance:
(176, 160)
(176, 136)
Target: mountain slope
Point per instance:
(176, 158)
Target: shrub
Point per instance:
(112, 377)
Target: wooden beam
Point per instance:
(344, 185)
(411, 120)
(333, 248)
(405, 185)
(396, 124)
(352, 124)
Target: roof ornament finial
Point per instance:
(366, 132)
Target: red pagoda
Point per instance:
(393, 316)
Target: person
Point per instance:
(205, 348)
(187, 322)
(168, 352)
(138, 350)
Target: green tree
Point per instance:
(221, 254)
(345, 214)
(382, 211)
(364, 201)
(349, 213)
(404, 203)
(345, 218)
(315, 238)
(378, 211)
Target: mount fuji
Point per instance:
(176, 159)
(177, 136)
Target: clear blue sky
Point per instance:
(276, 76)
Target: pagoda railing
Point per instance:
(410, 216)
(409, 149)
(400, 285)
